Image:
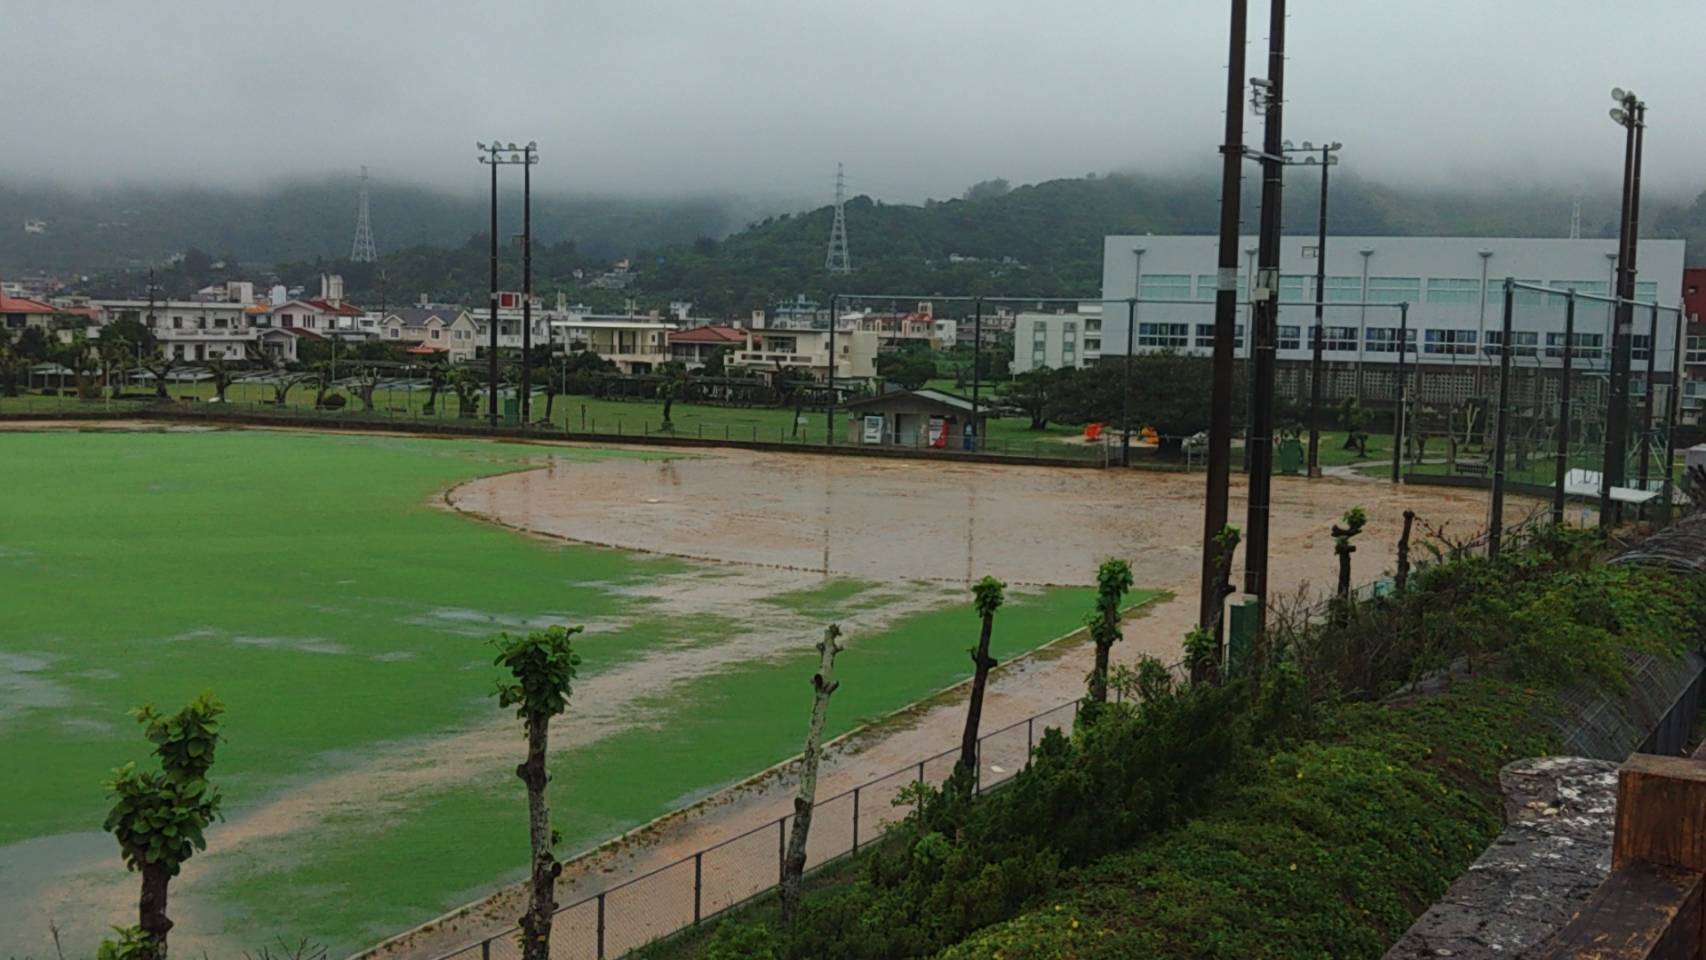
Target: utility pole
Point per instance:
(1631, 115)
(1501, 440)
(976, 374)
(1316, 363)
(492, 298)
(1399, 425)
(829, 409)
(1225, 331)
(1643, 469)
(1268, 98)
(1130, 333)
(530, 156)
(1563, 468)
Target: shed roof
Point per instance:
(927, 395)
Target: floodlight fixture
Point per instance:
(1619, 117)
(1619, 94)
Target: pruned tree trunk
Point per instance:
(982, 663)
(541, 900)
(1403, 577)
(1104, 644)
(151, 909)
(794, 862)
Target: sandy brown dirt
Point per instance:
(904, 520)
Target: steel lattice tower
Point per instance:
(362, 250)
(1576, 216)
(838, 260)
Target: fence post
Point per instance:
(920, 771)
(601, 926)
(855, 819)
(698, 882)
(1030, 738)
(781, 850)
(977, 771)
(485, 950)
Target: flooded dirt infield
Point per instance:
(892, 521)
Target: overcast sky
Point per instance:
(918, 97)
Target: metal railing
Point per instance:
(732, 872)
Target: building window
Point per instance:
(1637, 385)
(1693, 394)
(1163, 335)
(1290, 336)
(1344, 289)
(1205, 335)
(1208, 286)
(1640, 345)
(1039, 358)
(1594, 287)
(1449, 341)
(1297, 288)
(1584, 346)
(1696, 350)
(1039, 334)
(1385, 339)
(1164, 286)
(1394, 289)
(1339, 338)
(1524, 343)
(1092, 346)
(1646, 291)
(392, 333)
(1453, 290)
(435, 333)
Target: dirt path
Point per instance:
(890, 521)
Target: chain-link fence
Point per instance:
(725, 875)
(1533, 416)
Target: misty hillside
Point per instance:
(1030, 241)
(117, 227)
(1046, 239)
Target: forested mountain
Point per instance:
(1046, 239)
(107, 229)
(1026, 242)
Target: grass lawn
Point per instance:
(308, 581)
(615, 418)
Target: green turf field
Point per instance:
(310, 582)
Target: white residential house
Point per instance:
(434, 328)
(196, 331)
(636, 344)
(855, 352)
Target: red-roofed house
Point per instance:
(16, 313)
(327, 314)
(696, 345)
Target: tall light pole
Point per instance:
(1316, 363)
(529, 157)
(1130, 332)
(496, 155)
(1630, 114)
(1225, 320)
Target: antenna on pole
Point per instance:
(838, 260)
(362, 250)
